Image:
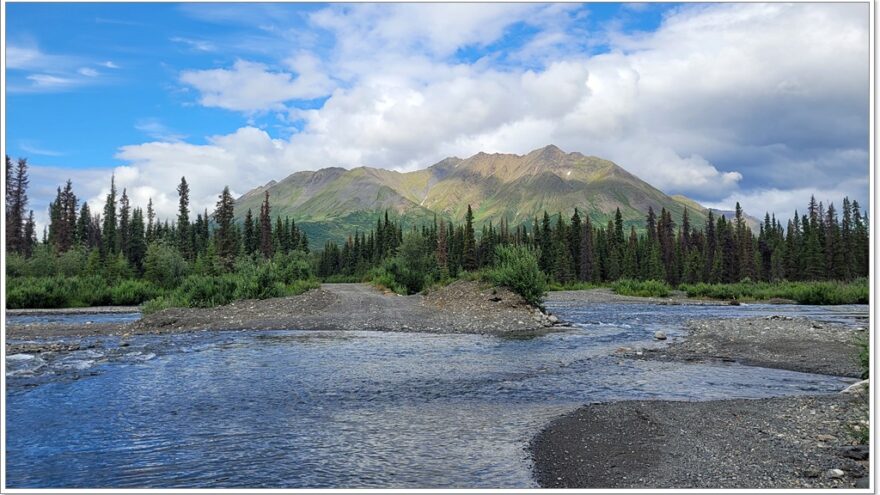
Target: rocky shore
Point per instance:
(784, 342)
(787, 442)
(461, 307)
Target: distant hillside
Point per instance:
(331, 203)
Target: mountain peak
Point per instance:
(551, 151)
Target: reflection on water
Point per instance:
(346, 409)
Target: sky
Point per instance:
(765, 104)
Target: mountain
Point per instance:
(333, 202)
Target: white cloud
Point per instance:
(198, 45)
(785, 202)
(155, 129)
(49, 81)
(252, 87)
(110, 64)
(35, 149)
(31, 70)
(722, 101)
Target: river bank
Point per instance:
(461, 307)
(793, 442)
(790, 442)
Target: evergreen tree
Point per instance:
(251, 243)
(469, 251)
(184, 239)
(125, 225)
(224, 235)
(266, 228)
(17, 240)
(109, 238)
(137, 242)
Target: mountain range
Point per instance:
(331, 203)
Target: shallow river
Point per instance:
(292, 409)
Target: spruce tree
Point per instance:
(266, 228)
(469, 250)
(109, 238)
(184, 239)
(224, 235)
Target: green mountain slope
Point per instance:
(331, 203)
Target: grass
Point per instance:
(819, 293)
(864, 356)
(641, 288)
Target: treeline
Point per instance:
(819, 245)
(124, 255)
(125, 232)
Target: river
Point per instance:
(289, 409)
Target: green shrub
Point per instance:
(162, 302)
(132, 292)
(820, 293)
(517, 269)
(72, 263)
(16, 265)
(200, 291)
(641, 288)
(293, 266)
(556, 286)
(164, 266)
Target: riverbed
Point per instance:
(289, 408)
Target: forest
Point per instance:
(124, 255)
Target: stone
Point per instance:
(826, 438)
(856, 452)
(553, 319)
(835, 473)
(660, 335)
(856, 388)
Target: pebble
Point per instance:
(660, 335)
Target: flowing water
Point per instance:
(292, 408)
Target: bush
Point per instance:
(73, 262)
(820, 293)
(641, 288)
(293, 266)
(132, 292)
(517, 269)
(72, 292)
(164, 266)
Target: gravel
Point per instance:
(790, 442)
(797, 344)
(461, 307)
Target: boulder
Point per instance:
(660, 335)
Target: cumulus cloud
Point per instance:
(252, 87)
(722, 101)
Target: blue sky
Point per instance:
(761, 103)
